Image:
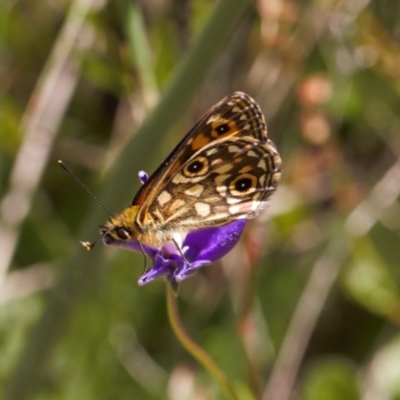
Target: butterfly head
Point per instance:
(113, 234)
(121, 228)
(118, 230)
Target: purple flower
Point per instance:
(198, 248)
(143, 177)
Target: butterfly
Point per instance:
(224, 169)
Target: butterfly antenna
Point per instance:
(60, 162)
(89, 246)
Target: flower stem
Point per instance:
(193, 348)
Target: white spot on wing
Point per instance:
(235, 209)
(233, 149)
(233, 200)
(213, 118)
(164, 197)
(179, 178)
(203, 209)
(195, 190)
(224, 168)
(216, 161)
(212, 151)
(262, 165)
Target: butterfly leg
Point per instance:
(145, 257)
(180, 252)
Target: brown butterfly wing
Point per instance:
(234, 112)
(230, 141)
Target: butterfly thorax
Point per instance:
(124, 228)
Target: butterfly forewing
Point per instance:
(235, 115)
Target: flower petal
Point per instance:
(208, 245)
(189, 270)
(162, 268)
(143, 177)
(213, 243)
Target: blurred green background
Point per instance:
(307, 305)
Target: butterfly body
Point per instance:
(223, 170)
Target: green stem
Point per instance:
(193, 348)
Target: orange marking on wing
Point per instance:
(200, 141)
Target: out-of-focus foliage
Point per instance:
(306, 306)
